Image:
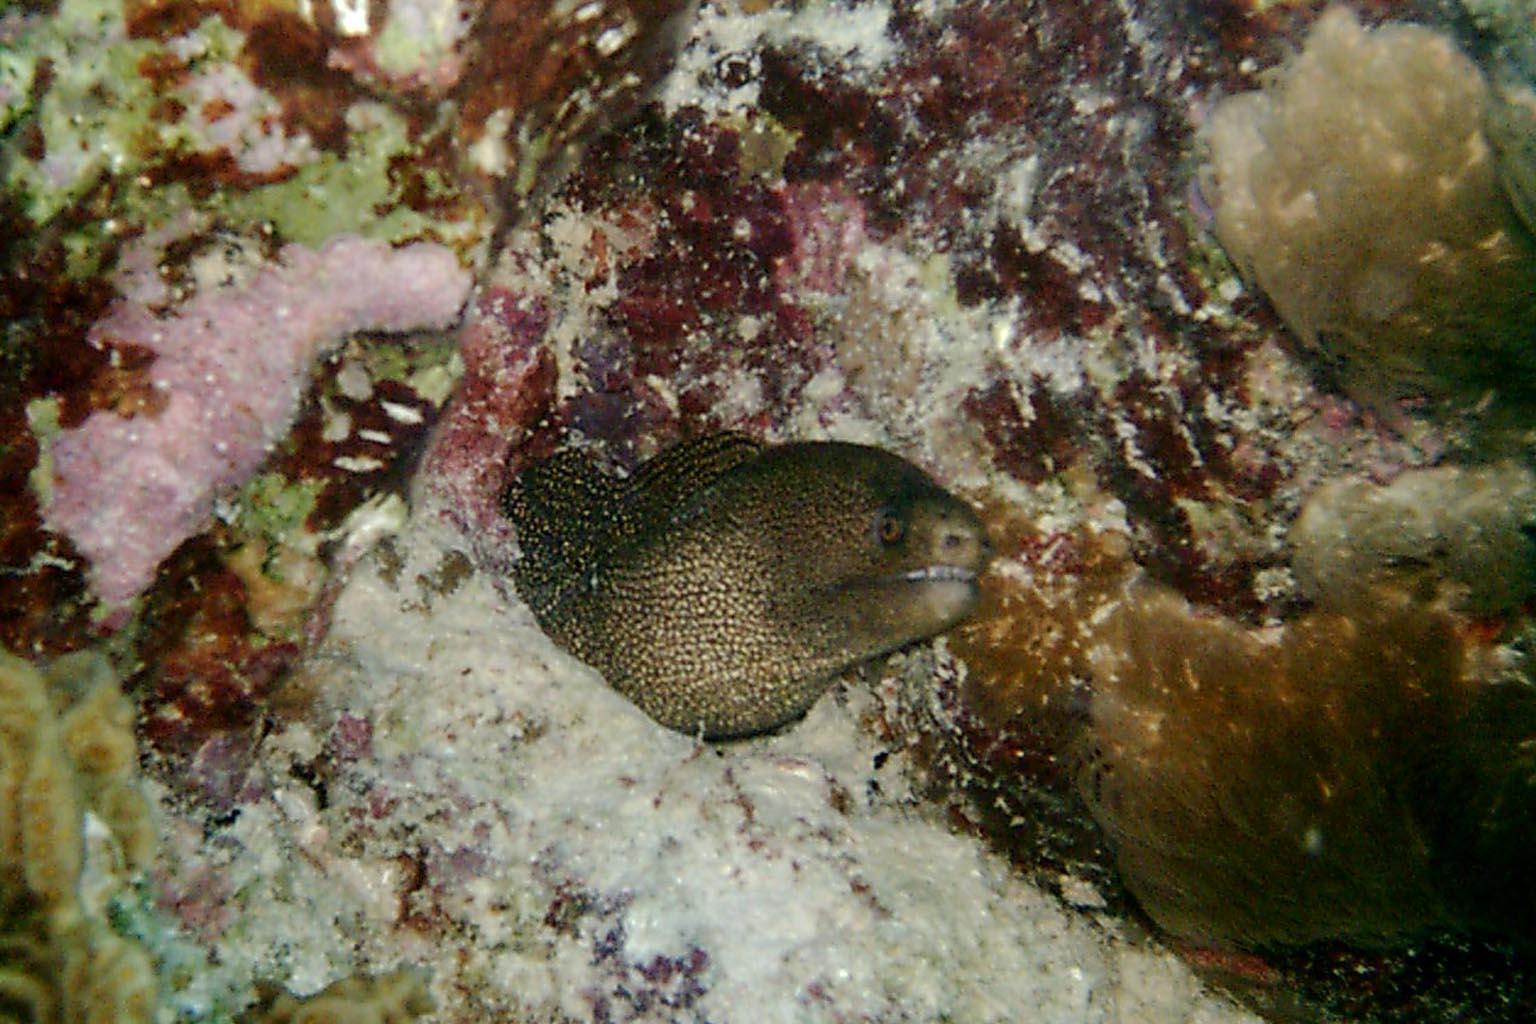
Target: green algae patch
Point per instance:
(435, 382)
(43, 418)
(766, 144)
(348, 194)
(416, 36)
(275, 507)
(332, 195)
(92, 120)
(110, 136)
(430, 369)
(277, 556)
(190, 984)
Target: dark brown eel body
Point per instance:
(726, 583)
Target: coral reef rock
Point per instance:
(1465, 530)
(466, 790)
(964, 230)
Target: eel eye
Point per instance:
(889, 528)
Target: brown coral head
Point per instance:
(1266, 789)
(1358, 191)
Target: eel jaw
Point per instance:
(942, 594)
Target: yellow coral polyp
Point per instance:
(108, 981)
(23, 706)
(98, 732)
(126, 811)
(58, 961)
(394, 998)
(26, 966)
(48, 820)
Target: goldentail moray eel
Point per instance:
(724, 585)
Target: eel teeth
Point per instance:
(939, 572)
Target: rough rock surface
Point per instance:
(967, 230)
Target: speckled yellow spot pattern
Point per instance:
(726, 583)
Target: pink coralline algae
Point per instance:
(508, 387)
(232, 367)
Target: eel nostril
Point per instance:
(957, 542)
